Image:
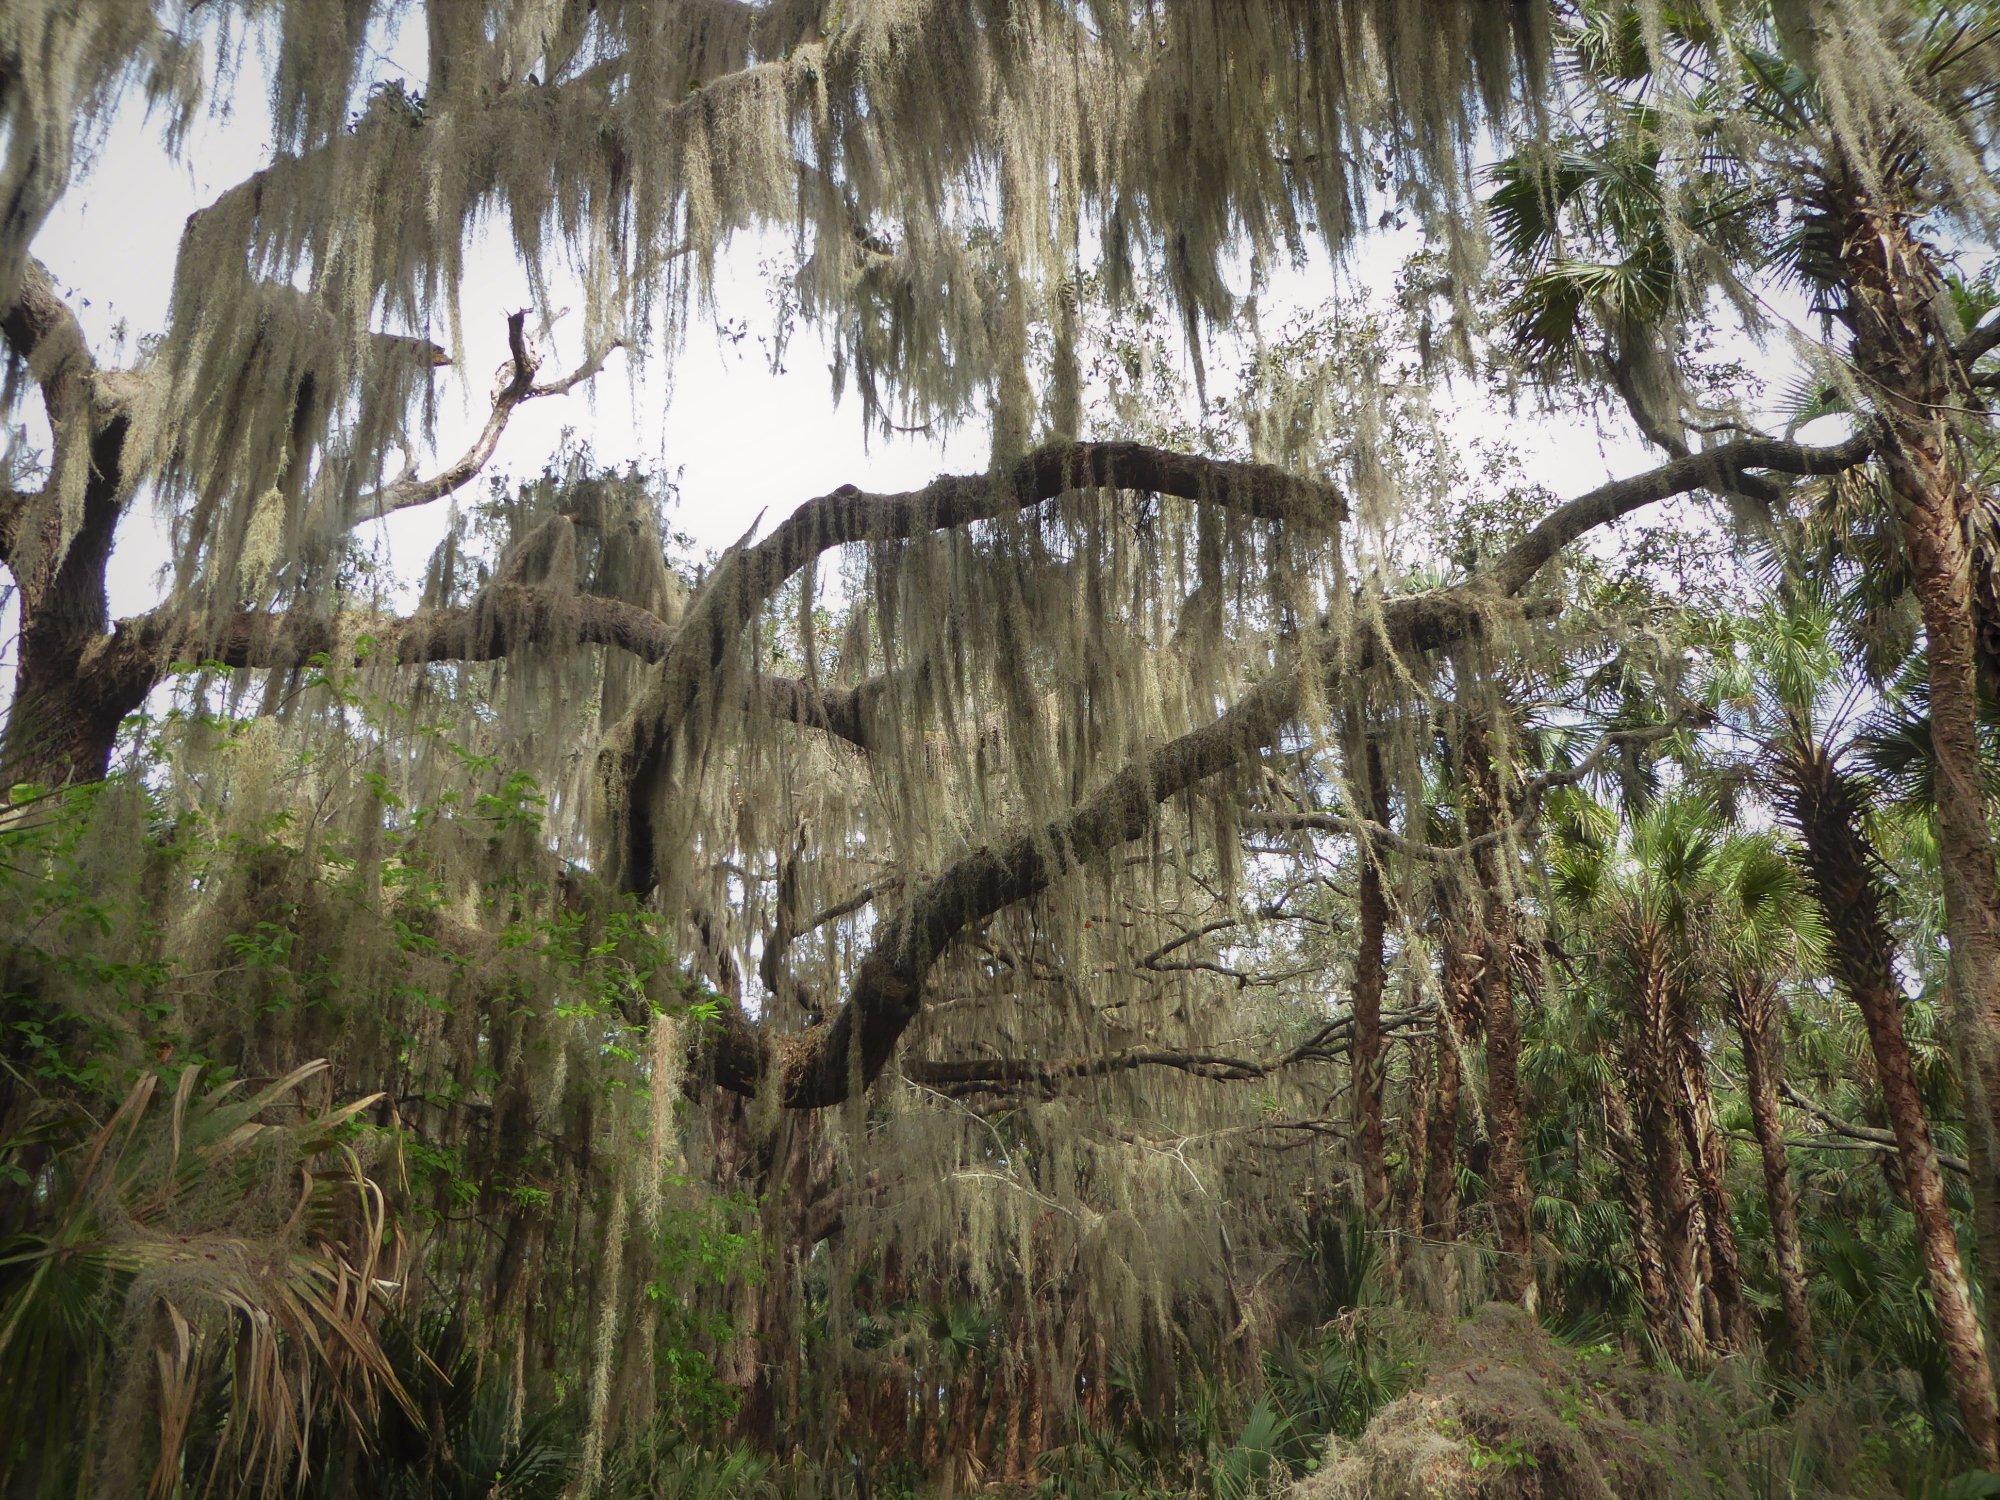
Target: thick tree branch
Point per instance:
(886, 991)
(845, 713)
(746, 579)
(966, 1075)
(44, 335)
(1720, 467)
(1979, 343)
(506, 617)
(14, 506)
(1880, 1140)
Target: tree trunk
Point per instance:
(1903, 347)
(1513, 1198)
(1841, 867)
(73, 688)
(1653, 1064)
(1710, 1159)
(1370, 967)
(1441, 1145)
(63, 725)
(1753, 1004)
(1630, 1159)
(1414, 1187)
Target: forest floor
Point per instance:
(1505, 1410)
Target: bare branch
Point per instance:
(1866, 1135)
(518, 387)
(1530, 801)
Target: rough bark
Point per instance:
(1754, 1007)
(1370, 968)
(1440, 1202)
(1709, 1157)
(1412, 1189)
(1513, 1197)
(1629, 1159)
(57, 543)
(1457, 1002)
(1841, 867)
(1902, 346)
(1653, 1063)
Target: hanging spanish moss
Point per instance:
(1083, 975)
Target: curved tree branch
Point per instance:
(635, 761)
(886, 991)
(992, 1075)
(506, 617)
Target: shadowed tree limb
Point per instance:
(636, 760)
(1865, 1135)
(505, 618)
(960, 1075)
(885, 992)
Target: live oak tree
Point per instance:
(956, 861)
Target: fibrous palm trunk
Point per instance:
(1654, 1067)
(1841, 868)
(1370, 968)
(1903, 347)
(1630, 1159)
(1513, 1198)
(1439, 1224)
(1709, 1158)
(1753, 1005)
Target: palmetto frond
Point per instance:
(239, 1230)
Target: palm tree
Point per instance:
(1370, 975)
(1796, 669)
(1766, 926)
(1721, 143)
(1490, 954)
(1638, 899)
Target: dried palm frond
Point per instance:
(236, 1238)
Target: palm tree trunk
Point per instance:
(1710, 1159)
(1753, 1006)
(1513, 1198)
(1841, 867)
(1676, 1205)
(1904, 349)
(1458, 1005)
(1440, 1220)
(1630, 1160)
(1414, 1187)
